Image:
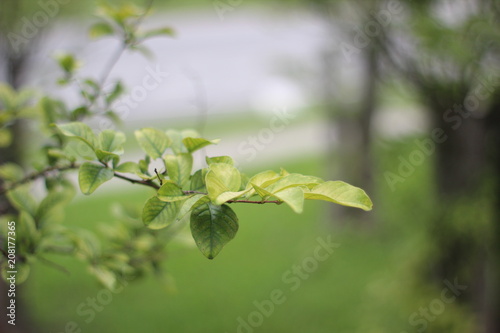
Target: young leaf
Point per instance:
(191, 203)
(79, 131)
(101, 29)
(179, 168)
(226, 196)
(153, 141)
(91, 176)
(170, 192)
(176, 139)
(219, 159)
(292, 196)
(111, 141)
(158, 32)
(194, 144)
(128, 167)
(213, 227)
(158, 214)
(263, 179)
(22, 199)
(11, 172)
(222, 178)
(293, 180)
(198, 181)
(340, 193)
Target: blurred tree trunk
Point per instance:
(492, 313)
(13, 62)
(351, 125)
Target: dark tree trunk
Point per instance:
(492, 313)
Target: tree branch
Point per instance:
(44, 173)
(141, 182)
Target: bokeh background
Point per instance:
(398, 97)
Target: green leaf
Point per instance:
(105, 157)
(128, 167)
(194, 144)
(191, 203)
(26, 231)
(153, 141)
(222, 178)
(292, 196)
(179, 168)
(263, 179)
(11, 172)
(53, 200)
(226, 196)
(213, 227)
(5, 137)
(79, 131)
(219, 159)
(67, 62)
(91, 176)
(111, 141)
(198, 181)
(158, 214)
(22, 199)
(158, 32)
(101, 29)
(340, 193)
(176, 139)
(292, 180)
(170, 192)
(113, 95)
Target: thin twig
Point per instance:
(36, 175)
(135, 181)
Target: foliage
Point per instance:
(201, 196)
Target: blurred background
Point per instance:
(401, 98)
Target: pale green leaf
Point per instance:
(194, 144)
(128, 167)
(220, 159)
(198, 181)
(111, 141)
(11, 172)
(153, 141)
(293, 180)
(158, 214)
(222, 178)
(226, 196)
(179, 168)
(340, 193)
(22, 199)
(79, 131)
(170, 192)
(292, 196)
(91, 176)
(191, 203)
(101, 29)
(213, 227)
